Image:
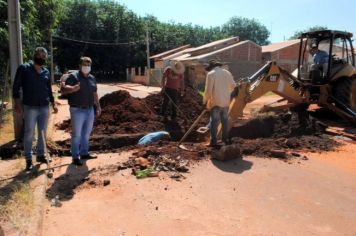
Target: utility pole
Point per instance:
(148, 55)
(15, 46)
(52, 66)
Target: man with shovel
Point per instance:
(172, 87)
(218, 87)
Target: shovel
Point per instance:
(180, 145)
(49, 170)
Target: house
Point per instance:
(284, 53)
(241, 58)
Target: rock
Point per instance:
(227, 152)
(55, 202)
(142, 162)
(295, 154)
(153, 174)
(106, 182)
(182, 166)
(278, 153)
(305, 158)
(122, 167)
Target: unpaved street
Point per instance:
(252, 196)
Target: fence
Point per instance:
(140, 75)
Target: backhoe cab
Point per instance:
(326, 76)
(326, 69)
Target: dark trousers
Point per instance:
(169, 96)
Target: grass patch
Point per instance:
(7, 127)
(17, 207)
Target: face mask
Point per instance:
(39, 61)
(86, 69)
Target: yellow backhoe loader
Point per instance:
(328, 80)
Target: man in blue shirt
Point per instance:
(81, 89)
(35, 82)
(319, 57)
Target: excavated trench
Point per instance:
(126, 119)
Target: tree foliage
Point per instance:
(310, 29)
(247, 29)
(110, 33)
(38, 19)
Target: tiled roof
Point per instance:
(202, 57)
(212, 46)
(277, 46)
(172, 51)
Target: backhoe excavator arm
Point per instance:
(270, 78)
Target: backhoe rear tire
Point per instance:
(345, 91)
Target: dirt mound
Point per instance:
(123, 114)
(281, 135)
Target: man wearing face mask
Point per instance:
(82, 94)
(35, 81)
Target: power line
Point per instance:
(98, 43)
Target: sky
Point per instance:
(281, 17)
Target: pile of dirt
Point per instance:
(124, 114)
(281, 135)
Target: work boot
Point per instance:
(88, 157)
(228, 142)
(41, 159)
(29, 165)
(77, 162)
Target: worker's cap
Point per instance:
(177, 67)
(40, 52)
(313, 45)
(213, 63)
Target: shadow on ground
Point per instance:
(65, 184)
(237, 166)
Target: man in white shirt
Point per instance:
(218, 86)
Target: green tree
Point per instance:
(38, 19)
(310, 29)
(247, 29)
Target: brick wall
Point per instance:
(286, 58)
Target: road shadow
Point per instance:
(10, 150)
(64, 186)
(237, 166)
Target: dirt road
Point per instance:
(253, 196)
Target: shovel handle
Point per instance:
(192, 127)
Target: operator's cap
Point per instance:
(314, 45)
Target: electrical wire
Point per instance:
(105, 44)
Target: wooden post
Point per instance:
(15, 46)
(127, 74)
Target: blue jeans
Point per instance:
(34, 115)
(218, 114)
(82, 120)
